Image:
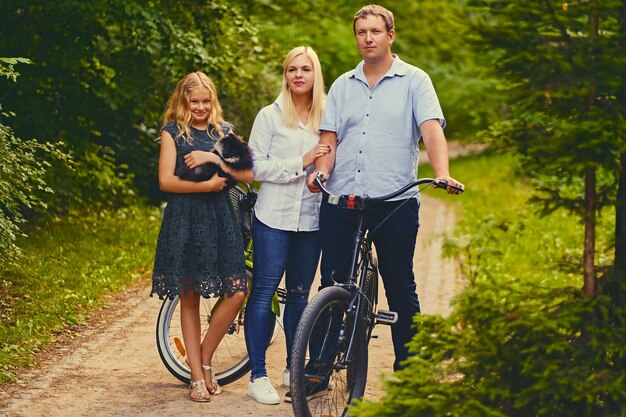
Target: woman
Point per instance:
(285, 235)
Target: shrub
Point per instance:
(23, 166)
(522, 340)
(93, 182)
(512, 352)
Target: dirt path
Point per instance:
(113, 369)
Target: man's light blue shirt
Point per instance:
(378, 128)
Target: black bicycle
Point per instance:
(330, 351)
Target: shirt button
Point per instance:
(367, 115)
(296, 173)
(358, 170)
(360, 151)
(363, 132)
(370, 97)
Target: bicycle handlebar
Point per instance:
(358, 202)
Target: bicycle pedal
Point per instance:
(386, 317)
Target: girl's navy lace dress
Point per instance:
(199, 246)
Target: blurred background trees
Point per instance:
(543, 80)
(563, 71)
(102, 70)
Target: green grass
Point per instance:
(500, 233)
(68, 267)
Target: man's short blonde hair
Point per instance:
(374, 10)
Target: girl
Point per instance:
(284, 231)
(199, 249)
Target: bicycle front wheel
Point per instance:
(329, 357)
(369, 299)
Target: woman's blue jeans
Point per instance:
(278, 252)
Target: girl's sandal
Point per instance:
(213, 387)
(197, 385)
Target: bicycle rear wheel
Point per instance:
(231, 357)
(329, 358)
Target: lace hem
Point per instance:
(207, 287)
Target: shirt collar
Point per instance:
(398, 67)
(280, 101)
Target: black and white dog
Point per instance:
(232, 150)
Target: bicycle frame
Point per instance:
(331, 343)
(360, 262)
(362, 247)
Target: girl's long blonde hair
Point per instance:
(177, 109)
(318, 95)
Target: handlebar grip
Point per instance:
(319, 181)
(444, 185)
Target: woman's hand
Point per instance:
(317, 151)
(243, 175)
(196, 158)
(216, 183)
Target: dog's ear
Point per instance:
(228, 146)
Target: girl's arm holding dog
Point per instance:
(171, 183)
(196, 158)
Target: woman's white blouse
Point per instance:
(284, 200)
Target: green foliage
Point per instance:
(521, 340)
(104, 70)
(67, 269)
(433, 35)
(94, 182)
(502, 234)
(23, 166)
(326, 26)
(564, 81)
(7, 67)
(507, 351)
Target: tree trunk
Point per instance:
(620, 221)
(591, 200)
(591, 195)
(620, 204)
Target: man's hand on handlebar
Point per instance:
(311, 178)
(450, 184)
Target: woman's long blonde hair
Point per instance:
(318, 95)
(177, 109)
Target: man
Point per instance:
(375, 116)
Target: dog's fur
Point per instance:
(232, 150)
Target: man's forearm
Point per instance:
(326, 163)
(438, 157)
(436, 147)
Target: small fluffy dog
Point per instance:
(232, 150)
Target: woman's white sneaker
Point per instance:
(261, 390)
